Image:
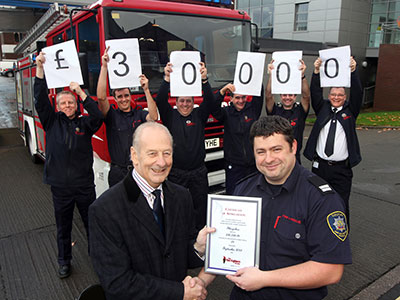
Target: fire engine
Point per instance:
(161, 27)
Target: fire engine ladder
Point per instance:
(54, 16)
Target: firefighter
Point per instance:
(186, 124)
(69, 157)
(121, 122)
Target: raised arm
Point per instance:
(163, 106)
(307, 275)
(356, 90)
(104, 105)
(42, 104)
(151, 104)
(315, 88)
(305, 89)
(218, 111)
(208, 104)
(270, 102)
(95, 118)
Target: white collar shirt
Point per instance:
(340, 151)
(147, 189)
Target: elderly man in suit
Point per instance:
(143, 236)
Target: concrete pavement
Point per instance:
(27, 229)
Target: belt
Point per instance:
(332, 162)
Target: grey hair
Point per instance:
(138, 133)
(62, 93)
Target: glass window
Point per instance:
(301, 17)
(89, 53)
(255, 3)
(267, 17)
(255, 15)
(378, 18)
(269, 3)
(58, 39)
(217, 39)
(394, 6)
(379, 8)
(242, 4)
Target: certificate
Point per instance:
(236, 242)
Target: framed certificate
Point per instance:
(236, 242)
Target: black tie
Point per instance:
(157, 210)
(330, 141)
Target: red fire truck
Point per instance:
(161, 27)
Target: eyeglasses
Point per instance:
(337, 95)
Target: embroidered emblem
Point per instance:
(77, 129)
(344, 115)
(337, 222)
(188, 121)
(247, 119)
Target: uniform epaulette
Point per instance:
(247, 177)
(320, 184)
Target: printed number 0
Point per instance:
(183, 73)
(326, 68)
(121, 63)
(278, 71)
(250, 73)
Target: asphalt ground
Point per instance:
(28, 251)
(28, 265)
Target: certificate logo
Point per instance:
(228, 259)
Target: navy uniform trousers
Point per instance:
(64, 199)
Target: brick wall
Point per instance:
(387, 89)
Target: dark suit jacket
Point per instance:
(128, 250)
(347, 117)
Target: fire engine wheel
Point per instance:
(10, 74)
(29, 143)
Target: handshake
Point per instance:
(195, 288)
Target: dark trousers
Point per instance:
(64, 200)
(116, 174)
(339, 176)
(233, 173)
(197, 182)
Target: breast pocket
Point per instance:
(289, 239)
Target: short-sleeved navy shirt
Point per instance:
(297, 118)
(299, 223)
(119, 128)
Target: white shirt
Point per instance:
(147, 189)
(340, 151)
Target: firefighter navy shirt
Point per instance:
(300, 222)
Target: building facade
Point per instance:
(365, 25)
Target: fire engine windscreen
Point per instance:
(217, 39)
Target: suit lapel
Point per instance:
(140, 209)
(171, 209)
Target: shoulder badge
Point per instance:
(296, 104)
(320, 184)
(279, 104)
(337, 223)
